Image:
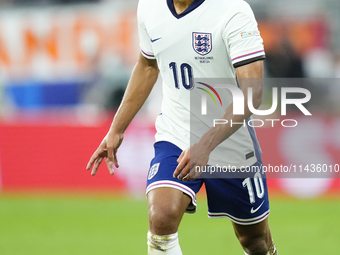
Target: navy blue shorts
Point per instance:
(243, 200)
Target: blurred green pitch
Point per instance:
(97, 224)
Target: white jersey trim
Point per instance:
(148, 56)
(250, 55)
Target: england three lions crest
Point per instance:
(202, 43)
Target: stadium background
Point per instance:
(63, 68)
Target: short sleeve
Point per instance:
(144, 39)
(242, 37)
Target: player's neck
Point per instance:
(181, 5)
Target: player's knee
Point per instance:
(164, 219)
(255, 245)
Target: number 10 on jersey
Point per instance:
(186, 75)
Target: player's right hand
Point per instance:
(107, 150)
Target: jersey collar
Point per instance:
(191, 7)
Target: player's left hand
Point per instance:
(190, 162)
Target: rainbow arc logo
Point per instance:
(209, 93)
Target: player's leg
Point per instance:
(166, 209)
(255, 239)
(168, 199)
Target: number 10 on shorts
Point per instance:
(259, 188)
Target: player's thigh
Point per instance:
(250, 235)
(168, 197)
(166, 208)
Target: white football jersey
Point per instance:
(208, 40)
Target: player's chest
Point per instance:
(198, 39)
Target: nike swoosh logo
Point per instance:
(155, 39)
(252, 210)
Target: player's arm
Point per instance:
(142, 80)
(248, 76)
